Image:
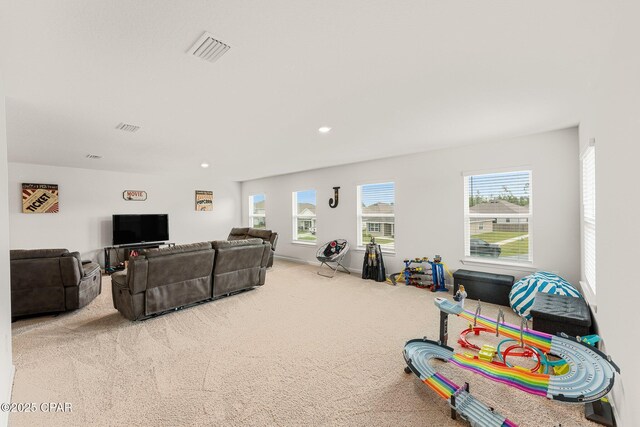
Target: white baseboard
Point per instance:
(307, 262)
(4, 416)
(298, 260)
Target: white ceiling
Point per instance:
(389, 77)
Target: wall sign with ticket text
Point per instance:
(40, 198)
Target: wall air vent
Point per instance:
(208, 48)
(93, 156)
(128, 128)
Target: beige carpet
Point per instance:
(301, 350)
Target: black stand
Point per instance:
(600, 412)
(127, 250)
(444, 328)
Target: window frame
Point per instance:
(359, 215)
(589, 219)
(295, 217)
(253, 215)
(495, 216)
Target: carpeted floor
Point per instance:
(301, 350)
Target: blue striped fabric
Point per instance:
(523, 292)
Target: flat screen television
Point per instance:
(131, 229)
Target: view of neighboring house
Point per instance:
(379, 226)
(258, 208)
(258, 219)
(498, 207)
(307, 218)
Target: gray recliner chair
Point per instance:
(242, 233)
(51, 280)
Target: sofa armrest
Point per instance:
(274, 241)
(89, 268)
(265, 255)
(70, 270)
(137, 274)
(119, 280)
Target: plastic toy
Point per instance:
(591, 374)
(487, 353)
(476, 331)
(561, 370)
(584, 374)
(417, 276)
(592, 340)
(373, 264)
(460, 296)
(437, 269)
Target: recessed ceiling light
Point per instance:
(204, 165)
(93, 156)
(324, 129)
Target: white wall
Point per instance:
(430, 198)
(88, 198)
(612, 119)
(6, 365)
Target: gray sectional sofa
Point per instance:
(51, 280)
(159, 280)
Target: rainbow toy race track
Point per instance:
(418, 354)
(591, 373)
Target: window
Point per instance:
(304, 216)
(374, 227)
(589, 215)
(257, 217)
(376, 214)
(498, 216)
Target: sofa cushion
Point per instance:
(221, 244)
(238, 232)
(172, 250)
(262, 234)
(36, 253)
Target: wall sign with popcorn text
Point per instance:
(204, 200)
(40, 198)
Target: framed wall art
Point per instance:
(204, 200)
(40, 198)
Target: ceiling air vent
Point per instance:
(93, 156)
(208, 48)
(127, 128)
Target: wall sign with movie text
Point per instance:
(134, 195)
(40, 198)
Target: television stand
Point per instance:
(108, 268)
